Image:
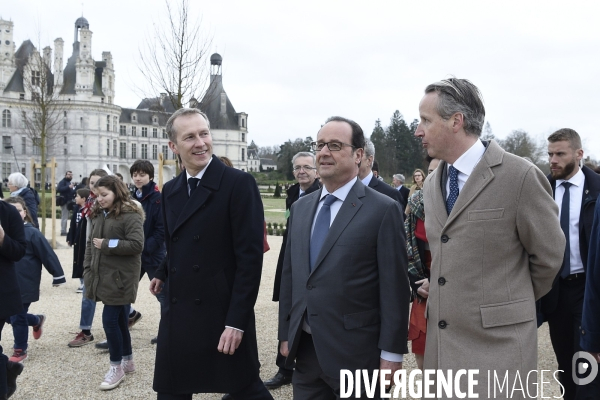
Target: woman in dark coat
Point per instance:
(18, 186)
(12, 248)
(76, 236)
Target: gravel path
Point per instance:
(55, 371)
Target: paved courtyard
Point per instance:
(55, 371)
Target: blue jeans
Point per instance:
(20, 324)
(115, 320)
(88, 309)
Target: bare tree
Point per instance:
(173, 59)
(41, 112)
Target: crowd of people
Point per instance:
(465, 265)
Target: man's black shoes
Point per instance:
(13, 370)
(278, 381)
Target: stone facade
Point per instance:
(92, 132)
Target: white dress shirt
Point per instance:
(465, 164)
(367, 179)
(576, 194)
(199, 175)
(341, 195)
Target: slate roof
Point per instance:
(144, 117)
(156, 104)
(211, 105)
(15, 84)
(267, 162)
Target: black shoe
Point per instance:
(103, 345)
(226, 396)
(154, 340)
(13, 370)
(278, 381)
(134, 318)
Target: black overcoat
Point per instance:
(12, 250)
(215, 250)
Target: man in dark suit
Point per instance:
(398, 181)
(369, 179)
(213, 220)
(344, 289)
(575, 192)
(12, 249)
(305, 172)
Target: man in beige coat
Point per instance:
(495, 241)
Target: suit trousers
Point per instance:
(280, 362)
(565, 325)
(256, 390)
(309, 381)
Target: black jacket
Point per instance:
(215, 252)
(389, 191)
(76, 237)
(29, 268)
(591, 191)
(154, 231)
(64, 190)
(12, 250)
(293, 194)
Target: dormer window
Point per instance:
(134, 117)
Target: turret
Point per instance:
(58, 63)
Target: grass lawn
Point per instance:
(274, 210)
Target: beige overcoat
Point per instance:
(497, 252)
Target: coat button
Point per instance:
(175, 239)
(445, 238)
(442, 324)
(309, 287)
(442, 281)
(196, 268)
(174, 300)
(197, 302)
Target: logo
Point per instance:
(585, 368)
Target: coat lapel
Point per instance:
(349, 208)
(481, 176)
(438, 202)
(186, 206)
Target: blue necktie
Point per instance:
(453, 195)
(564, 225)
(193, 183)
(321, 229)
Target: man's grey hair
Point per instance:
(400, 177)
(303, 154)
(460, 96)
(369, 149)
(181, 112)
(17, 179)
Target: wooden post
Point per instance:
(161, 163)
(52, 165)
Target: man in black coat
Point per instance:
(305, 172)
(214, 225)
(67, 191)
(366, 175)
(562, 307)
(12, 249)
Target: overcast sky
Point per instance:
(292, 64)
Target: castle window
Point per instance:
(6, 121)
(24, 145)
(115, 122)
(108, 147)
(123, 150)
(144, 151)
(108, 123)
(165, 134)
(154, 151)
(21, 96)
(133, 131)
(154, 132)
(165, 151)
(243, 154)
(114, 148)
(35, 78)
(123, 130)
(144, 132)
(133, 150)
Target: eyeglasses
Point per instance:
(332, 146)
(306, 168)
